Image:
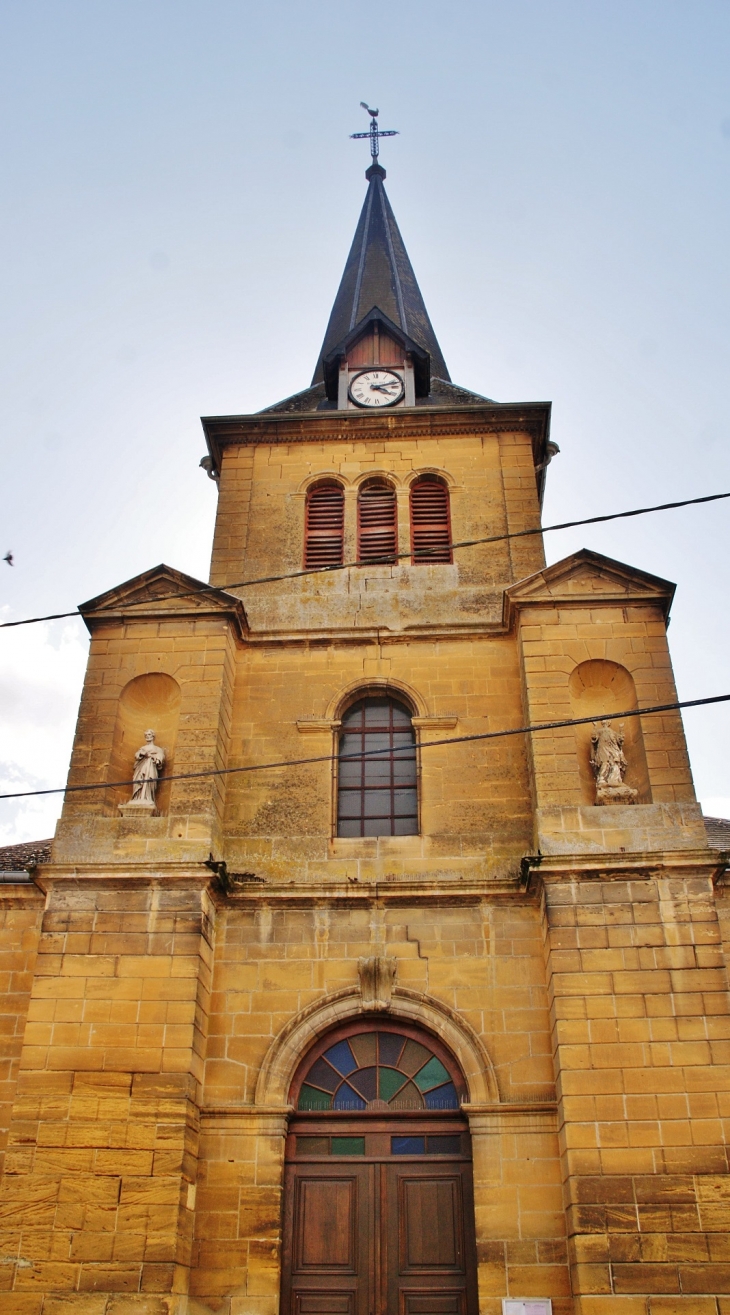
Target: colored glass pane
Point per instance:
(311, 1099)
(363, 1048)
(322, 1074)
(413, 1058)
(431, 1075)
(313, 1145)
(347, 1099)
(444, 1145)
(408, 1098)
(366, 1082)
(348, 1145)
(389, 1048)
(389, 1082)
(341, 1058)
(442, 1098)
(408, 1145)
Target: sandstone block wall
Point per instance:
(641, 1023)
(102, 1145)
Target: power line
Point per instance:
(374, 753)
(378, 561)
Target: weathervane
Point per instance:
(374, 132)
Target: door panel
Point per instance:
(430, 1303)
(328, 1232)
(324, 1303)
(326, 1210)
(429, 1254)
(430, 1211)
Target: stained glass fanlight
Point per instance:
(378, 1070)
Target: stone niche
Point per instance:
(150, 702)
(598, 687)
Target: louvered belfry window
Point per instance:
(430, 521)
(377, 796)
(377, 522)
(325, 526)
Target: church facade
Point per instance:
(335, 1009)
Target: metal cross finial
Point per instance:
(374, 132)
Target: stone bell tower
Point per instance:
(352, 1013)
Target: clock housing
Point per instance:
(377, 387)
(373, 347)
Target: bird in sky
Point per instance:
(8, 558)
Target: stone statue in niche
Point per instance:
(149, 761)
(609, 765)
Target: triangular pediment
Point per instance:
(163, 591)
(589, 577)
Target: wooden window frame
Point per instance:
(392, 758)
(447, 555)
(389, 556)
(313, 536)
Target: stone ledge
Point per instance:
(622, 828)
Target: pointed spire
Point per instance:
(379, 273)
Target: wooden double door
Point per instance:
(385, 1228)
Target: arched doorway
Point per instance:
(379, 1216)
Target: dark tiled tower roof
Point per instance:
(379, 273)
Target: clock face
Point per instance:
(376, 388)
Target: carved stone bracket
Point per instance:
(377, 978)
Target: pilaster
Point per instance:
(640, 1015)
(98, 1190)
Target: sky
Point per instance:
(180, 194)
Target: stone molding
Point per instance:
(511, 1117)
(445, 723)
(561, 584)
(318, 726)
(401, 482)
(287, 1050)
(381, 684)
(325, 725)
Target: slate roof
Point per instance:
(379, 273)
(16, 859)
(718, 832)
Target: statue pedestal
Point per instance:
(616, 794)
(137, 810)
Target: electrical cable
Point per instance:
(374, 753)
(383, 561)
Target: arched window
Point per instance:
(430, 520)
(377, 522)
(377, 796)
(325, 526)
(379, 1070)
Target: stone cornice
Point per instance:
(453, 421)
(376, 634)
(554, 868)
